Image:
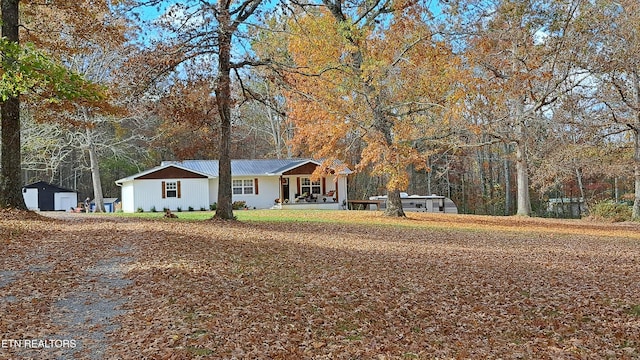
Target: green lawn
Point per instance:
(256, 215)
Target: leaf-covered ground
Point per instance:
(354, 285)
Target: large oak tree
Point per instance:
(376, 73)
(203, 36)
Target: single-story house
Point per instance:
(261, 184)
(42, 196)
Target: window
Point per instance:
(242, 187)
(171, 189)
(309, 187)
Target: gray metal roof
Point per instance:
(208, 167)
(240, 167)
(244, 167)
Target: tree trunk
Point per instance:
(635, 132)
(482, 180)
(507, 183)
(224, 209)
(522, 180)
(98, 199)
(393, 199)
(635, 214)
(276, 135)
(10, 160)
(381, 122)
(428, 173)
(582, 201)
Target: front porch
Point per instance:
(333, 205)
(299, 189)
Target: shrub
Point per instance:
(139, 210)
(237, 205)
(213, 206)
(190, 208)
(179, 209)
(612, 211)
(202, 209)
(153, 209)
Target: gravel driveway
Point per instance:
(80, 318)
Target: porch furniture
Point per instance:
(306, 198)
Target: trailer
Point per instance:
(421, 203)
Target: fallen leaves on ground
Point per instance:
(360, 286)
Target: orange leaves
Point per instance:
(323, 105)
(374, 91)
(391, 161)
(329, 285)
(316, 45)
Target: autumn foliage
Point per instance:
(387, 94)
(329, 285)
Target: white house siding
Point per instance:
(144, 190)
(342, 189)
(268, 191)
(213, 191)
(30, 198)
(148, 195)
(339, 184)
(195, 193)
(128, 204)
(65, 201)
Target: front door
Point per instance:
(285, 190)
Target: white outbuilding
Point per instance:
(42, 196)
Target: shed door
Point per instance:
(66, 203)
(45, 200)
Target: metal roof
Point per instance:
(243, 167)
(240, 167)
(42, 185)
